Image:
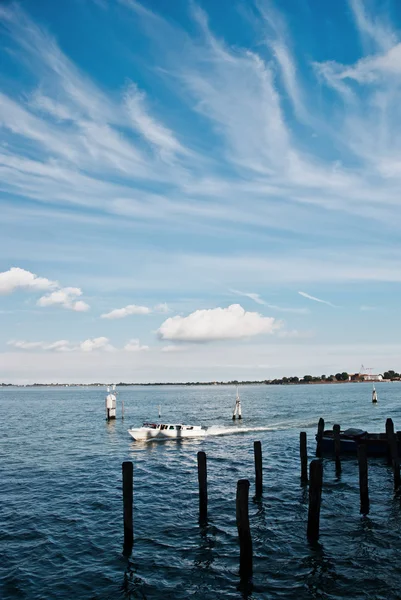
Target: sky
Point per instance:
(199, 191)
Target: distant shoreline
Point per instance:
(187, 384)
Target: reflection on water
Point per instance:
(61, 515)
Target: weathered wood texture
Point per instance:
(315, 497)
(202, 479)
(363, 478)
(257, 451)
(337, 447)
(244, 533)
(128, 497)
(303, 451)
(393, 454)
(320, 429)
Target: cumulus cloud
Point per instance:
(65, 297)
(16, 278)
(215, 324)
(131, 309)
(99, 343)
(134, 346)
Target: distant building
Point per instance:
(365, 377)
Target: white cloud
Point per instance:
(99, 343)
(162, 308)
(295, 333)
(89, 345)
(65, 297)
(131, 309)
(58, 346)
(16, 278)
(154, 132)
(305, 295)
(255, 297)
(217, 324)
(134, 346)
(173, 348)
(365, 307)
(259, 300)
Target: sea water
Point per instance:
(61, 529)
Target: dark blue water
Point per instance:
(61, 500)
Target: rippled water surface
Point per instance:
(61, 500)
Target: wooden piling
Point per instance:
(389, 434)
(393, 455)
(202, 479)
(257, 451)
(304, 456)
(315, 497)
(337, 447)
(320, 430)
(128, 471)
(244, 533)
(363, 478)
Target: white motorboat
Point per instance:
(166, 431)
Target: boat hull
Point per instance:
(376, 443)
(166, 432)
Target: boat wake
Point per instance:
(216, 430)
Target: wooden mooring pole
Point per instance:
(128, 472)
(363, 478)
(393, 452)
(244, 533)
(257, 451)
(337, 447)
(202, 479)
(315, 497)
(304, 456)
(389, 433)
(320, 430)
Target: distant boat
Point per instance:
(374, 395)
(166, 431)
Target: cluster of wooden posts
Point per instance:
(316, 471)
(242, 501)
(315, 481)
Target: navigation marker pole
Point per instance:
(111, 403)
(237, 409)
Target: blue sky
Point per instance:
(194, 167)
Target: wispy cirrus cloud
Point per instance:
(309, 297)
(98, 344)
(259, 300)
(89, 152)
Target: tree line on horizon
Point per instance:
(338, 377)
